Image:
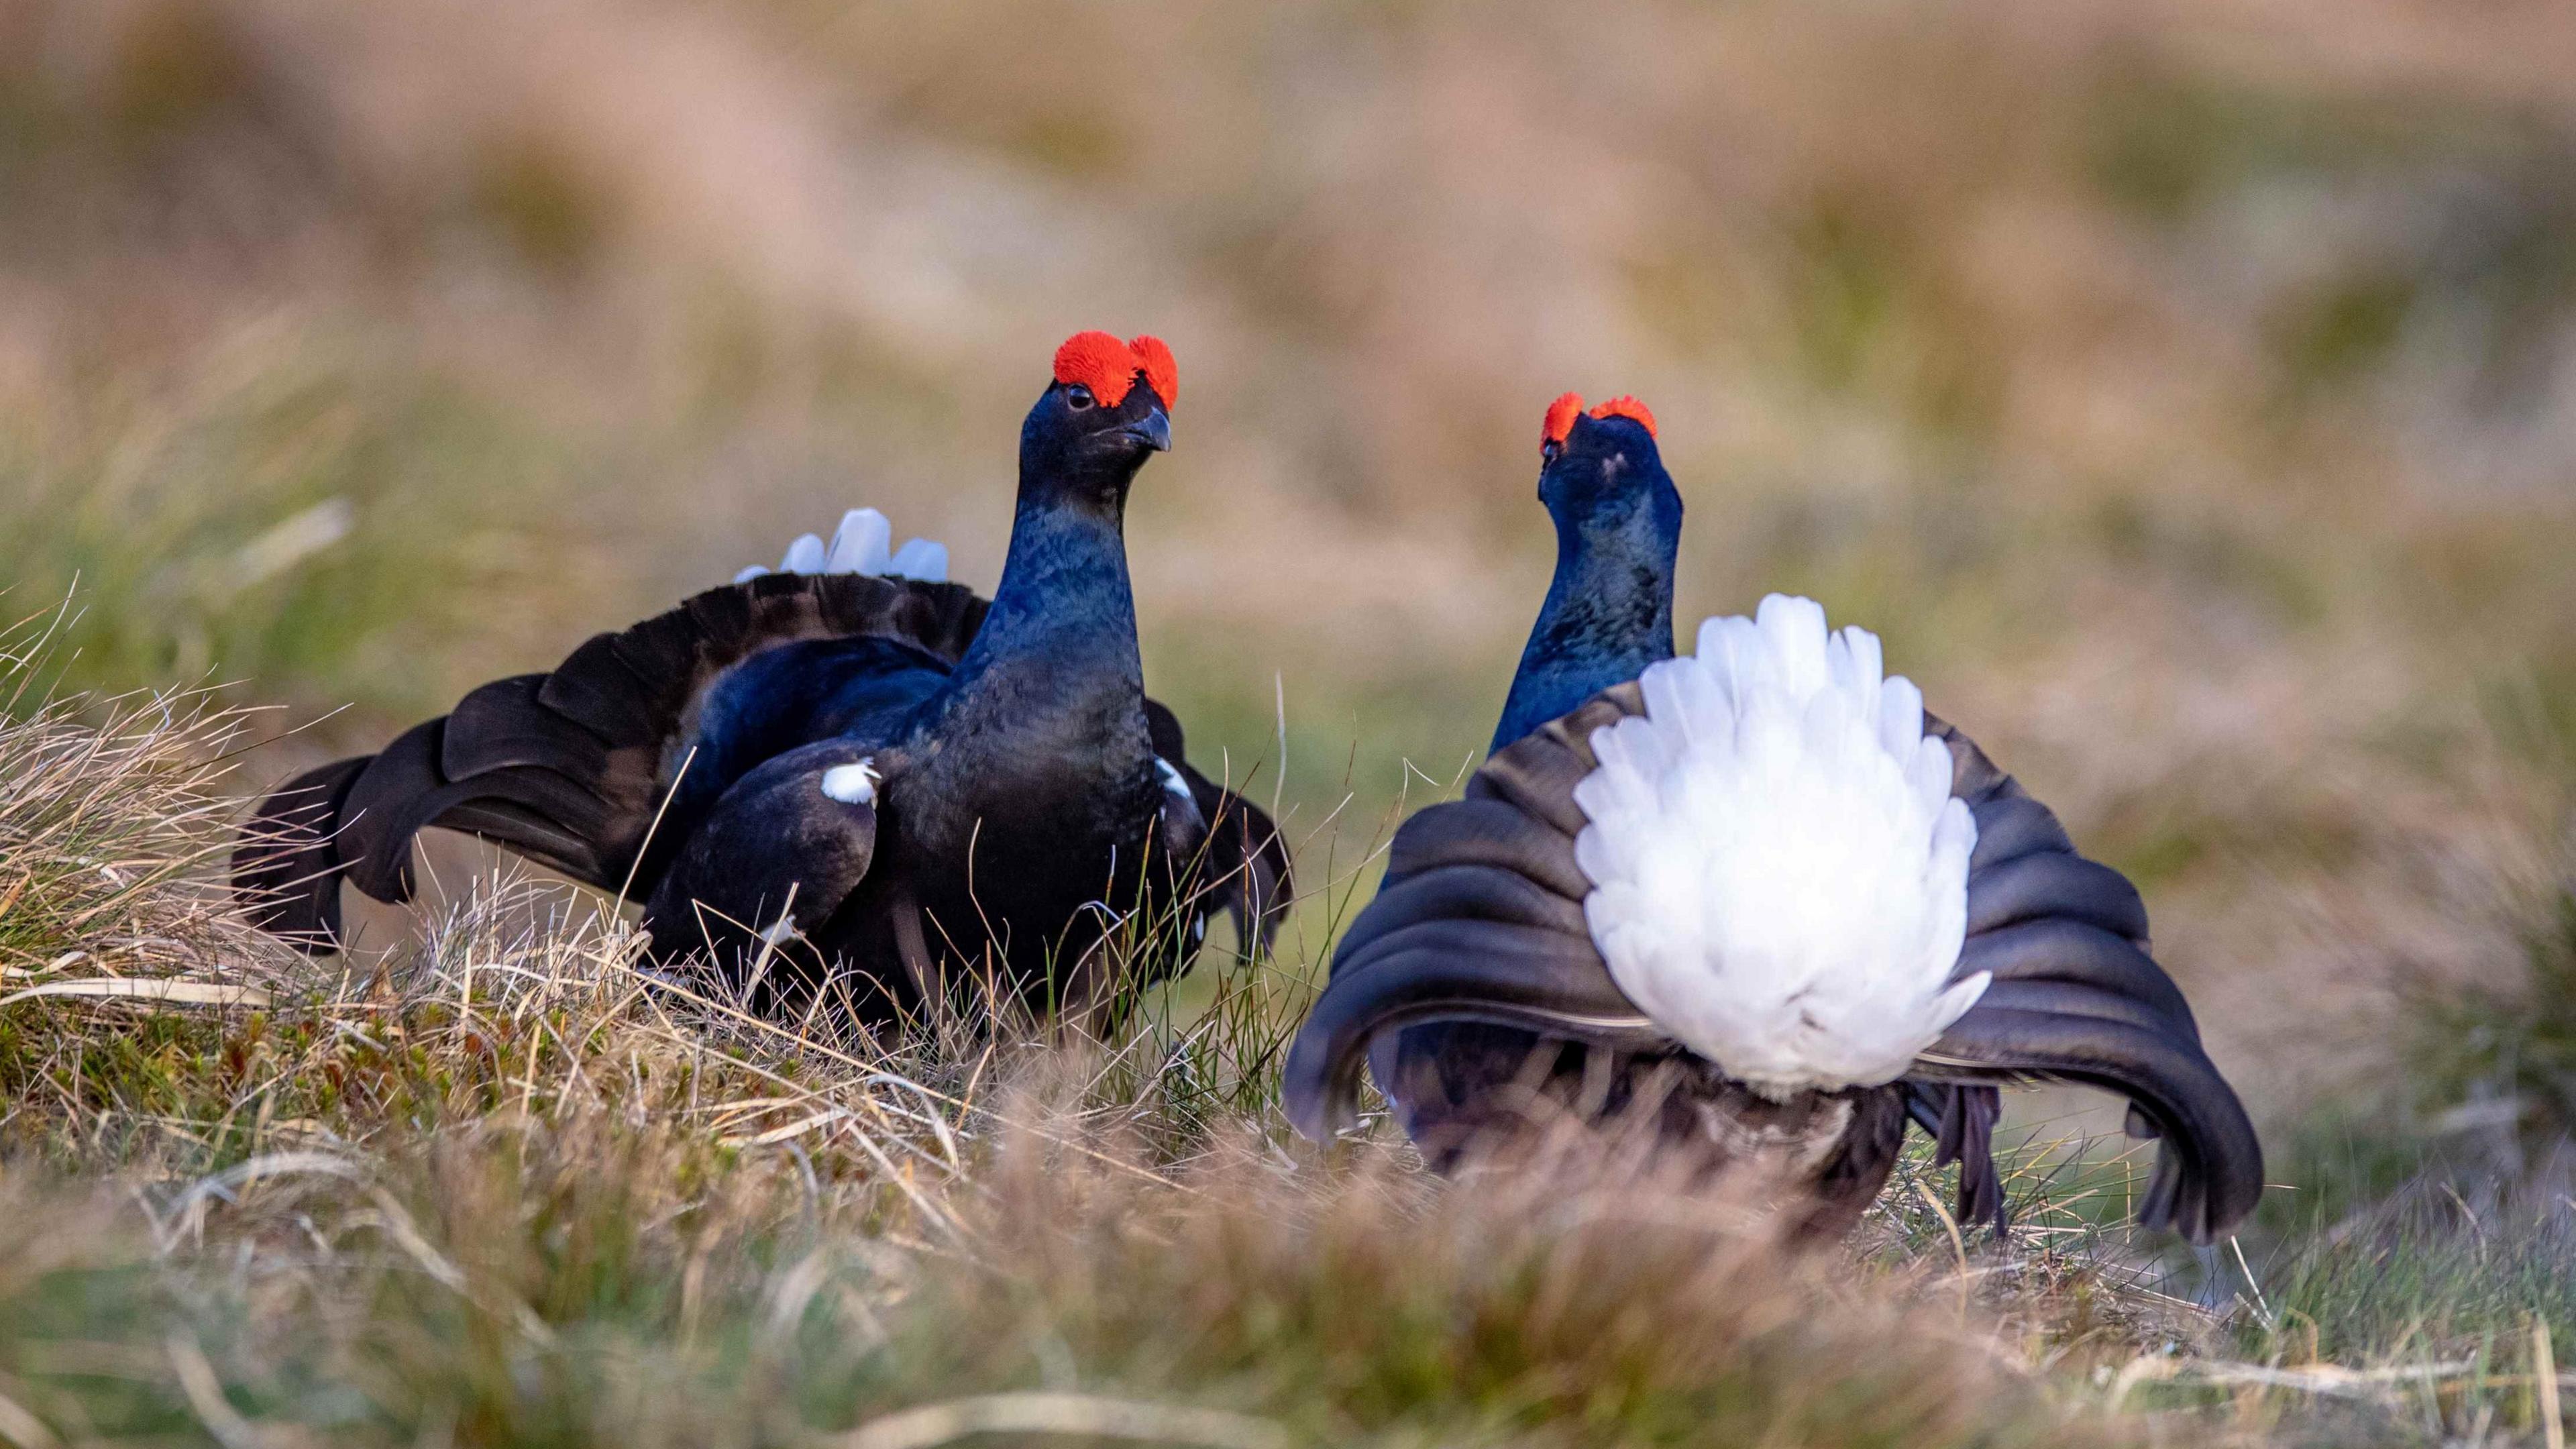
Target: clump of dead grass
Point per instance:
(585, 1277)
(111, 808)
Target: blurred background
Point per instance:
(2187, 391)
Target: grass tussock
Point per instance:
(2496, 1057)
(584, 1280)
(2434, 1222)
(110, 811)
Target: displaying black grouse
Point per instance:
(1609, 608)
(1761, 900)
(883, 784)
(1607, 615)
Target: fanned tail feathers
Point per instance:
(566, 768)
(1484, 919)
(286, 872)
(1245, 863)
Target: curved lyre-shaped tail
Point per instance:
(1481, 922)
(566, 768)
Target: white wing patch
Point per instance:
(1173, 784)
(1780, 873)
(853, 784)
(860, 546)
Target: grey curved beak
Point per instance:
(1154, 430)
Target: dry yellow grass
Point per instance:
(2184, 390)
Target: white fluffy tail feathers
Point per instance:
(861, 546)
(1779, 870)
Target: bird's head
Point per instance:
(1107, 411)
(1600, 469)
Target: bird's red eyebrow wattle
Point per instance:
(1101, 363)
(1560, 418)
(1109, 367)
(1624, 406)
(1162, 374)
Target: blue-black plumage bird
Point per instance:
(1607, 615)
(1609, 607)
(1686, 891)
(885, 785)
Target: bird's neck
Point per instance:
(1609, 614)
(1065, 611)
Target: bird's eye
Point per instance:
(1077, 397)
(1550, 450)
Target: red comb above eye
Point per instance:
(1099, 362)
(1624, 407)
(1108, 367)
(1162, 374)
(1560, 418)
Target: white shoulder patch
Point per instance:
(853, 784)
(861, 546)
(1173, 784)
(1780, 873)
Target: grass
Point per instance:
(566, 1281)
(109, 816)
(344, 477)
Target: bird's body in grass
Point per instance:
(1757, 904)
(882, 786)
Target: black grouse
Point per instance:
(880, 786)
(1759, 899)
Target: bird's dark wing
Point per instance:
(1244, 860)
(776, 857)
(2076, 997)
(569, 768)
(1480, 921)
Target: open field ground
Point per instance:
(2186, 392)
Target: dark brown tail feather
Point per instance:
(2075, 997)
(1960, 1120)
(1479, 921)
(2209, 1164)
(566, 768)
(1247, 856)
(286, 871)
